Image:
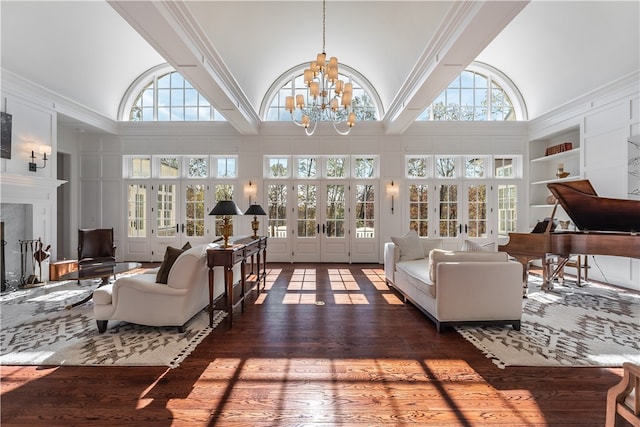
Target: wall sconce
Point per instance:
(393, 190)
(33, 167)
(251, 190)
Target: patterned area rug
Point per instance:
(594, 325)
(38, 330)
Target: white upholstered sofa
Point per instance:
(456, 287)
(140, 299)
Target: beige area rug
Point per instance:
(36, 329)
(593, 325)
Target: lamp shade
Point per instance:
(255, 210)
(226, 207)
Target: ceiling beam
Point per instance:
(466, 30)
(171, 29)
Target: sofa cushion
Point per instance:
(437, 255)
(170, 257)
(410, 246)
(469, 246)
(419, 270)
(429, 244)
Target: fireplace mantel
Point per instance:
(25, 181)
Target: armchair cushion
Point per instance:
(96, 245)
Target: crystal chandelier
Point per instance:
(328, 94)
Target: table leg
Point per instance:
(228, 282)
(242, 282)
(211, 297)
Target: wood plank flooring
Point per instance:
(361, 359)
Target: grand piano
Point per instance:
(605, 226)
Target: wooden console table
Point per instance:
(241, 250)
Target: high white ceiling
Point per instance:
(91, 51)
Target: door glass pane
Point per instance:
(137, 210)
(277, 210)
(224, 192)
(169, 167)
(419, 208)
(166, 210)
(448, 210)
(507, 209)
(194, 210)
(477, 211)
(365, 211)
(335, 211)
(307, 202)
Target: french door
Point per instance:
(321, 231)
(180, 215)
(463, 212)
(165, 213)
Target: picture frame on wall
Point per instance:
(5, 135)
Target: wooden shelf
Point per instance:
(557, 156)
(547, 181)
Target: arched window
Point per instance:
(479, 93)
(366, 103)
(162, 94)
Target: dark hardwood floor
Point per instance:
(361, 359)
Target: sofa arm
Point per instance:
(125, 287)
(391, 257)
(478, 291)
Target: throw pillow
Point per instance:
(436, 256)
(469, 246)
(410, 246)
(186, 246)
(170, 257)
(429, 244)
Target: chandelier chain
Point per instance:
(324, 17)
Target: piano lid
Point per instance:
(590, 212)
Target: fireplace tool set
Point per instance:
(32, 249)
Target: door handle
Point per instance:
(177, 228)
(183, 228)
(318, 228)
(323, 229)
(460, 228)
(466, 229)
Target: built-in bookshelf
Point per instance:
(546, 156)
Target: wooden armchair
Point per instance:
(95, 246)
(624, 398)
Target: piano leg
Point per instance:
(552, 270)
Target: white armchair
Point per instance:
(139, 299)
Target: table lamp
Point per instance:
(225, 208)
(255, 224)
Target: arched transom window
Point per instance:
(162, 95)
(480, 93)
